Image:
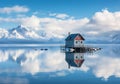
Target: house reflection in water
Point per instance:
(74, 59)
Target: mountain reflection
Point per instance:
(31, 60)
(103, 64)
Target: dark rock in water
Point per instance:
(41, 49)
(46, 49)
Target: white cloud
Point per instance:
(102, 66)
(52, 26)
(56, 27)
(54, 62)
(63, 16)
(14, 9)
(31, 60)
(7, 19)
(3, 32)
(84, 68)
(108, 68)
(106, 21)
(92, 32)
(34, 61)
(21, 15)
(31, 22)
(15, 54)
(4, 56)
(102, 21)
(60, 16)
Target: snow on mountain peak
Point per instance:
(24, 32)
(19, 32)
(21, 26)
(15, 35)
(21, 29)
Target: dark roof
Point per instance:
(72, 36)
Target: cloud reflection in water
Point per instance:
(28, 60)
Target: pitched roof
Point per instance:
(72, 36)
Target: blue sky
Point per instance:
(76, 8)
(61, 16)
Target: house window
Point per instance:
(81, 57)
(76, 42)
(76, 57)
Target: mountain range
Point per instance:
(19, 32)
(22, 34)
(109, 37)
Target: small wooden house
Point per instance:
(74, 40)
(74, 59)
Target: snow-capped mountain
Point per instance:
(25, 34)
(105, 37)
(22, 32)
(116, 37)
(111, 37)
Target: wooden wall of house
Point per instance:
(69, 57)
(79, 56)
(78, 43)
(69, 43)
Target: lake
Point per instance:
(46, 64)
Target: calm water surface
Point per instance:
(35, 65)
